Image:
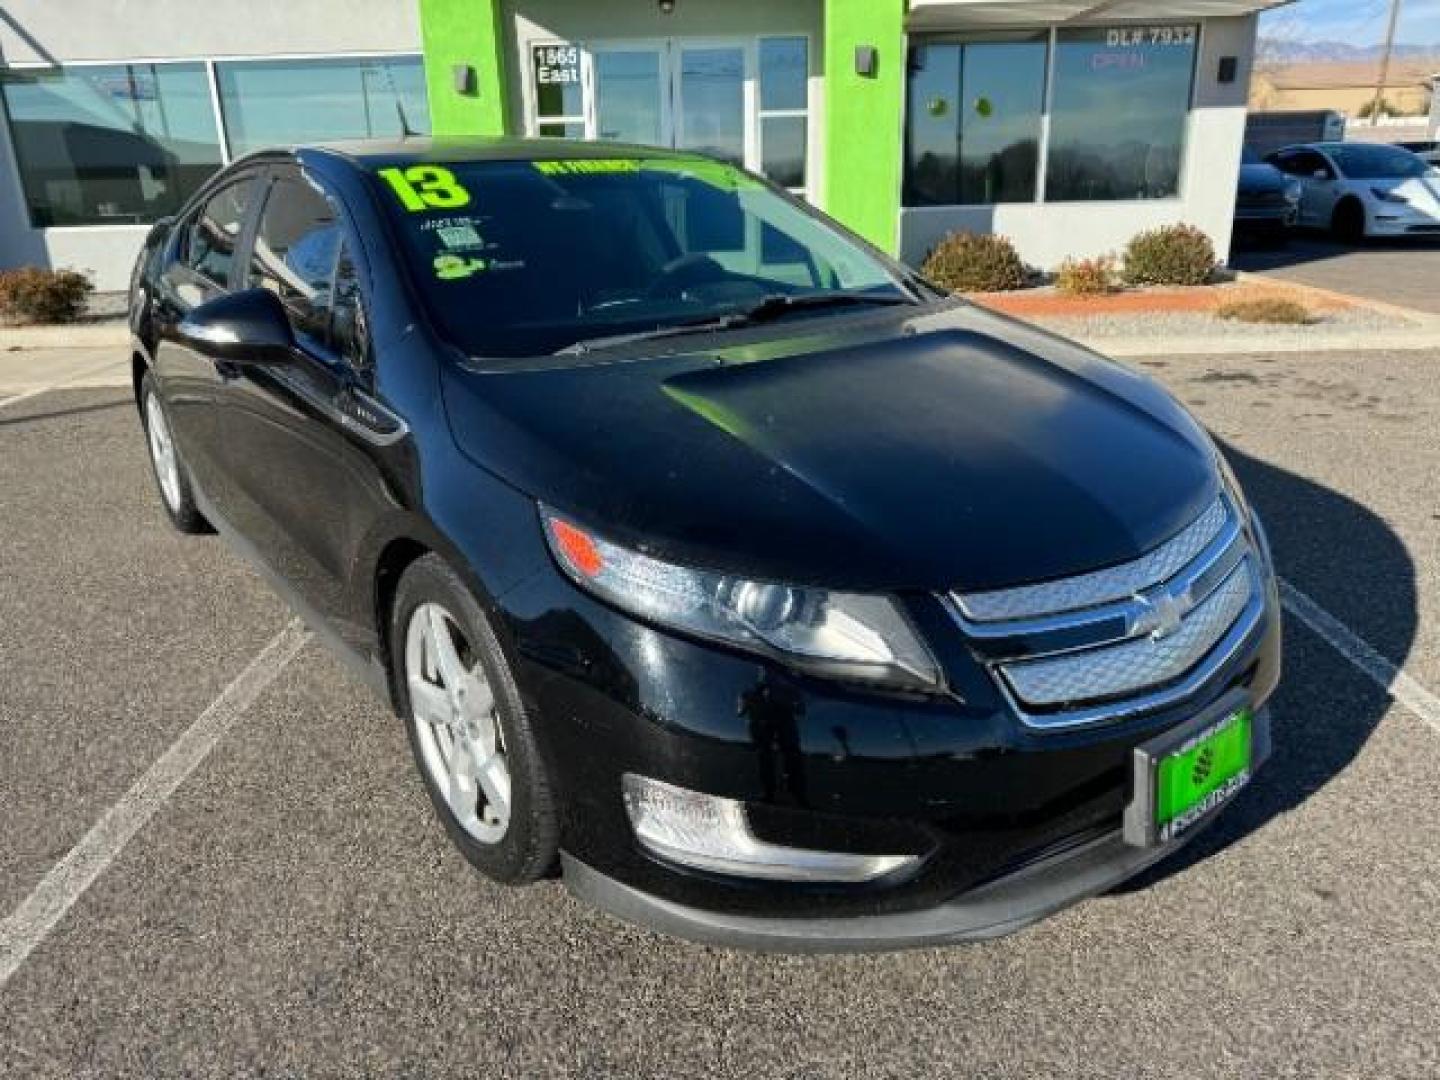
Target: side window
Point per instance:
(294, 253)
(215, 233)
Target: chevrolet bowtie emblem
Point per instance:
(1159, 615)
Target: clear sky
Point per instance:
(1361, 22)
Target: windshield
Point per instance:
(1377, 162)
(1250, 157)
(525, 258)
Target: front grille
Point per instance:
(1127, 639)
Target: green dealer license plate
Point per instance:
(1203, 772)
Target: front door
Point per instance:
(687, 95)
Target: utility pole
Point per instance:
(1385, 63)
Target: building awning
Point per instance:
(955, 14)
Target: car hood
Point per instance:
(1258, 179)
(953, 449)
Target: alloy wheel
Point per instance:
(162, 452)
(452, 705)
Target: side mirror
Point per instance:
(249, 326)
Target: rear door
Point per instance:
(303, 438)
(199, 264)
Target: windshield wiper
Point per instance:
(770, 307)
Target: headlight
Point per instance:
(851, 636)
(1293, 191)
(1388, 196)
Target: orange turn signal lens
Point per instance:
(576, 547)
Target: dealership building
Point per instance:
(1067, 125)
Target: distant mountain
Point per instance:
(1282, 51)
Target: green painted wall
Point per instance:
(464, 32)
(864, 116)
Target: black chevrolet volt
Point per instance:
(714, 560)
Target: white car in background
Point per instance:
(1358, 190)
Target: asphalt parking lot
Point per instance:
(1402, 271)
(293, 909)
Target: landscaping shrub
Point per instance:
(33, 295)
(1266, 309)
(975, 262)
(1087, 277)
(1174, 255)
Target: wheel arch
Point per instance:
(1347, 203)
(397, 556)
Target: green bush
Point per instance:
(33, 295)
(1173, 255)
(1087, 277)
(975, 262)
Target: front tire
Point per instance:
(171, 479)
(1348, 222)
(469, 731)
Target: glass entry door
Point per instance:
(679, 94)
(632, 95)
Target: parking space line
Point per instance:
(67, 881)
(1401, 686)
(36, 391)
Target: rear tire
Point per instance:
(1348, 222)
(469, 731)
(171, 479)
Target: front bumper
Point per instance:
(996, 908)
(1391, 221)
(1011, 822)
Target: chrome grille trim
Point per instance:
(1099, 587)
(1141, 663)
(1191, 685)
(1153, 648)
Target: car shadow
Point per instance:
(1345, 558)
(1308, 246)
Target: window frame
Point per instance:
(209, 62)
(961, 40)
(1051, 37)
(250, 176)
(17, 173)
(1183, 167)
(290, 171)
(755, 115)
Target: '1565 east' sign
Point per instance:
(556, 65)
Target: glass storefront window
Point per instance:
(784, 110)
(283, 102)
(1120, 105)
(974, 121)
(110, 144)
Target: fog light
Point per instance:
(710, 833)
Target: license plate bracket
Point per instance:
(1182, 778)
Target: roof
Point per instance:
(965, 14)
(459, 151)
